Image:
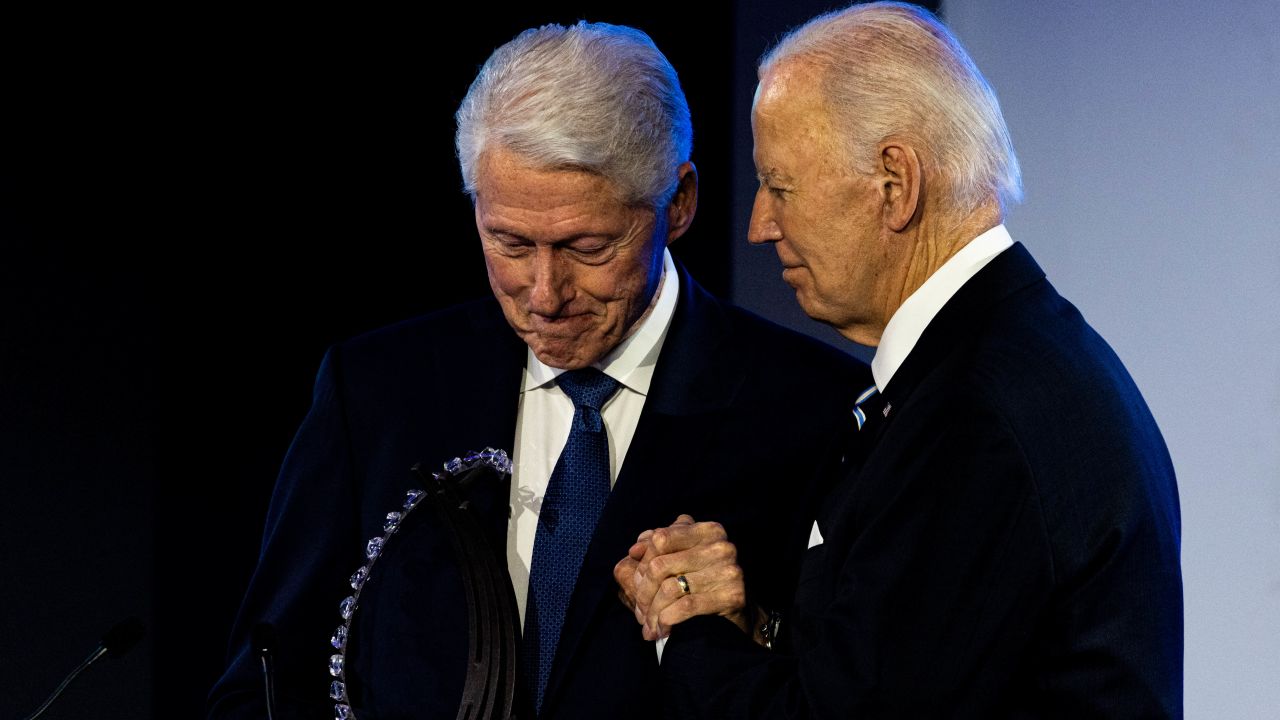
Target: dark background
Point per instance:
(193, 206)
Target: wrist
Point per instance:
(744, 618)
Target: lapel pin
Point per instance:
(887, 408)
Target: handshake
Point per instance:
(687, 569)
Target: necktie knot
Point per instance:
(859, 409)
(589, 389)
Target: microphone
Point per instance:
(263, 641)
(116, 642)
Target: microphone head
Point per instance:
(263, 638)
(121, 638)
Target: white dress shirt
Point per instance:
(909, 321)
(545, 414)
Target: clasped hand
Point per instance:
(701, 553)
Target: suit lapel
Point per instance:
(955, 324)
(696, 377)
(959, 319)
(487, 410)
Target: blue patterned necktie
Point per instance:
(575, 497)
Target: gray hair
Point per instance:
(889, 68)
(595, 97)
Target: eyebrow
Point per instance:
(508, 232)
(772, 175)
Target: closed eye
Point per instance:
(589, 247)
(592, 251)
(510, 245)
(774, 188)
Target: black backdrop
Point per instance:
(193, 206)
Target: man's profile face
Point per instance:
(822, 217)
(571, 265)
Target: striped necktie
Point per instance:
(859, 413)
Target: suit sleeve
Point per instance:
(309, 543)
(934, 572)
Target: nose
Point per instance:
(764, 226)
(552, 286)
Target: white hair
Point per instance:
(595, 97)
(888, 69)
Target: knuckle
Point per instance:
(658, 566)
(724, 550)
(670, 587)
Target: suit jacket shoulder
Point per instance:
(1008, 547)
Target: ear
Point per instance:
(902, 183)
(685, 202)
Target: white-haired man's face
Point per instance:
(571, 265)
(822, 217)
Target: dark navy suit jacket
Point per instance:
(1005, 545)
(733, 429)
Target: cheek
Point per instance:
(598, 293)
(633, 287)
(801, 235)
(607, 284)
(507, 277)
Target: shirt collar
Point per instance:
(910, 320)
(632, 362)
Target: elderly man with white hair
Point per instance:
(625, 392)
(1004, 541)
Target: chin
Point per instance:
(566, 355)
(563, 363)
(813, 310)
(805, 305)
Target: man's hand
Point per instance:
(700, 553)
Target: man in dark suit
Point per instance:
(1005, 539)
(624, 385)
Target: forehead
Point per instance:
(788, 115)
(514, 196)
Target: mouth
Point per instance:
(543, 323)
